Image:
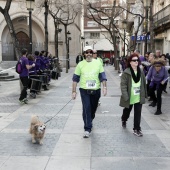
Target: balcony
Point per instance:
(161, 20)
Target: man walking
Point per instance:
(90, 73)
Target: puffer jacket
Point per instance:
(126, 84)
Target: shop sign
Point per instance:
(140, 38)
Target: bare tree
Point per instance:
(101, 11)
(65, 13)
(95, 11)
(5, 12)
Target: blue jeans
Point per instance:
(89, 100)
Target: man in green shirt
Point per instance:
(90, 74)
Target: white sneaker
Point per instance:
(86, 134)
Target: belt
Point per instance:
(89, 91)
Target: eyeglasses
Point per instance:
(135, 60)
(89, 52)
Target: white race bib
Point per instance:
(136, 90)
(91, 84)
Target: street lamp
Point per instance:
(68, 48)
(124, 24)
(30, 7)
(147, 6)
(57, 31)
(82, 39)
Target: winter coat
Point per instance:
(126, 84)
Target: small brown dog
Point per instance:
(37, 130)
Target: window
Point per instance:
(93, 12)
(92, 24)
(94, 35)
(104, 21)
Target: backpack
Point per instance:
(18, 67)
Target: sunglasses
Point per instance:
(89, 52)
(135, 60)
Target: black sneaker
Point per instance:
(165, 91)
(158, 112)
(137, 133)
(150, 99)
(25, 101)
(33, 95)
(140, 133)
(21, 101)
(124, 124)
(153, 104)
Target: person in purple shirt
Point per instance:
(157, 76)
(24, 76)
(32, 74)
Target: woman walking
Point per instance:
(134, 92)
(158, 76)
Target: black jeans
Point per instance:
(25, 82)
(137, 115)
(90, 103)
(157, 99)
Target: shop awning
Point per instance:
(103, 45)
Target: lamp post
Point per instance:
(82, 39)
(147, 6)
(30, 7)
(57, 31)
(46, 24)
(68, 48)
(124, 24)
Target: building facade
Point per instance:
(161, 20)
(96, 35)
(20, 17)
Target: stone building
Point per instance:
(20, 17)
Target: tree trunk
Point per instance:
(66, 42)
(13, 34)
(46, 25)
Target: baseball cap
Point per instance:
(88, 48)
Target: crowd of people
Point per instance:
(143, 77)
(37, 70)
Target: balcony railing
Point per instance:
(162, 17)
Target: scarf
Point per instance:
(136, 78)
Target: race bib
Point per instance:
(136, 90)
(91, 84)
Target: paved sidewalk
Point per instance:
(109, 148)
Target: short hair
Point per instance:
(30, 57)
(36, 53)
(24, 51)
(159, 61)
(130, 59)
(137, 51)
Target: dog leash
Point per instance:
(58, 112)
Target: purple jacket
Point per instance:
(162, 75)
(142, 58)
(24, 61)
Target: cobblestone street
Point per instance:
(109, 147)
